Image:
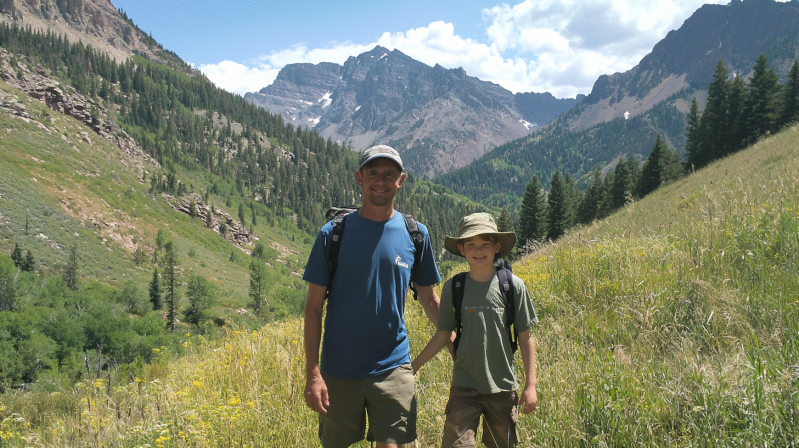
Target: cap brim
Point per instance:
(383, 156)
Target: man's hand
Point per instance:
(316, 393)
(529, 400)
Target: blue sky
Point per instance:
(560, 46)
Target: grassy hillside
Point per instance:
(83, 190)
(673, 323)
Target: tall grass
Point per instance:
(673, 323)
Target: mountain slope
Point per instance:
(625, 111)
(93, 22)
(736, 33)
(384, 96)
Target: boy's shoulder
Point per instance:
(518, 282)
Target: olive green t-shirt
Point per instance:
(484, 361)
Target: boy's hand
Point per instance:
(416, 366)
(529, 400)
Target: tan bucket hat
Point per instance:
(480, 224)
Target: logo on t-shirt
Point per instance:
(399, 262)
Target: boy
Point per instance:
(483, 381)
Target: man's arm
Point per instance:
(429, 301)
(315, 388)
(529, 398)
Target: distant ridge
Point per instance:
(625, 111)
(441, 118)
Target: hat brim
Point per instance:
(383, 156)
(506, 241)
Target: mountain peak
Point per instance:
(439, 118)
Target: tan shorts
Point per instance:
(500, 413)
(388, 399)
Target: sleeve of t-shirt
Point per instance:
(316, 271)
(427, 272)
(446, 313)
(525, 316)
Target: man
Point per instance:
(365, 363)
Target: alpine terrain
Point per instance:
(440, 119)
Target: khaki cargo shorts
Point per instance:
(500, 413)
(389, 400)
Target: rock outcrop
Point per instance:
(60, 98)
(234, 232)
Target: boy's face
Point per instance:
(380, 181)
(479, 251)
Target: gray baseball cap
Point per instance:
(378, 151)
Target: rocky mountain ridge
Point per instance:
(93, 22)
(735, 33)
(386, 96)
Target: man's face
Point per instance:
(380, 181)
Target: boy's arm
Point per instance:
(436, 343)
(315, 388)
(432, 305)
(529, 398)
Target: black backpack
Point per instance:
(505, 276)
(337, 215)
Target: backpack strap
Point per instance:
(418, 246)
(505, 277)
(458, 286)
(335, 243)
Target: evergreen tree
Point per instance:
(761, 105)
(192, 209)
(623, 187)
(171, 284)
(634, 165)
(16, 256)
(241, 215)
(533, 216)
(71, 271)
(202, 295)
(575, 197)
(589, 207)
(8, 287)
(713, 124)
(209, 218)
(559, 206)
(736, 117)
(155, 291)
(790, 97)
(650, 174)
(29, 264)
(260, 282)
(505, 223)
(692, 137)
(160, 240)
(606, 205)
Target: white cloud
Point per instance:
(559, 46)
(239, 78)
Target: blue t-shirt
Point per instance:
(364, 333)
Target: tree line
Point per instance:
(737, 115)
(186, 123)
